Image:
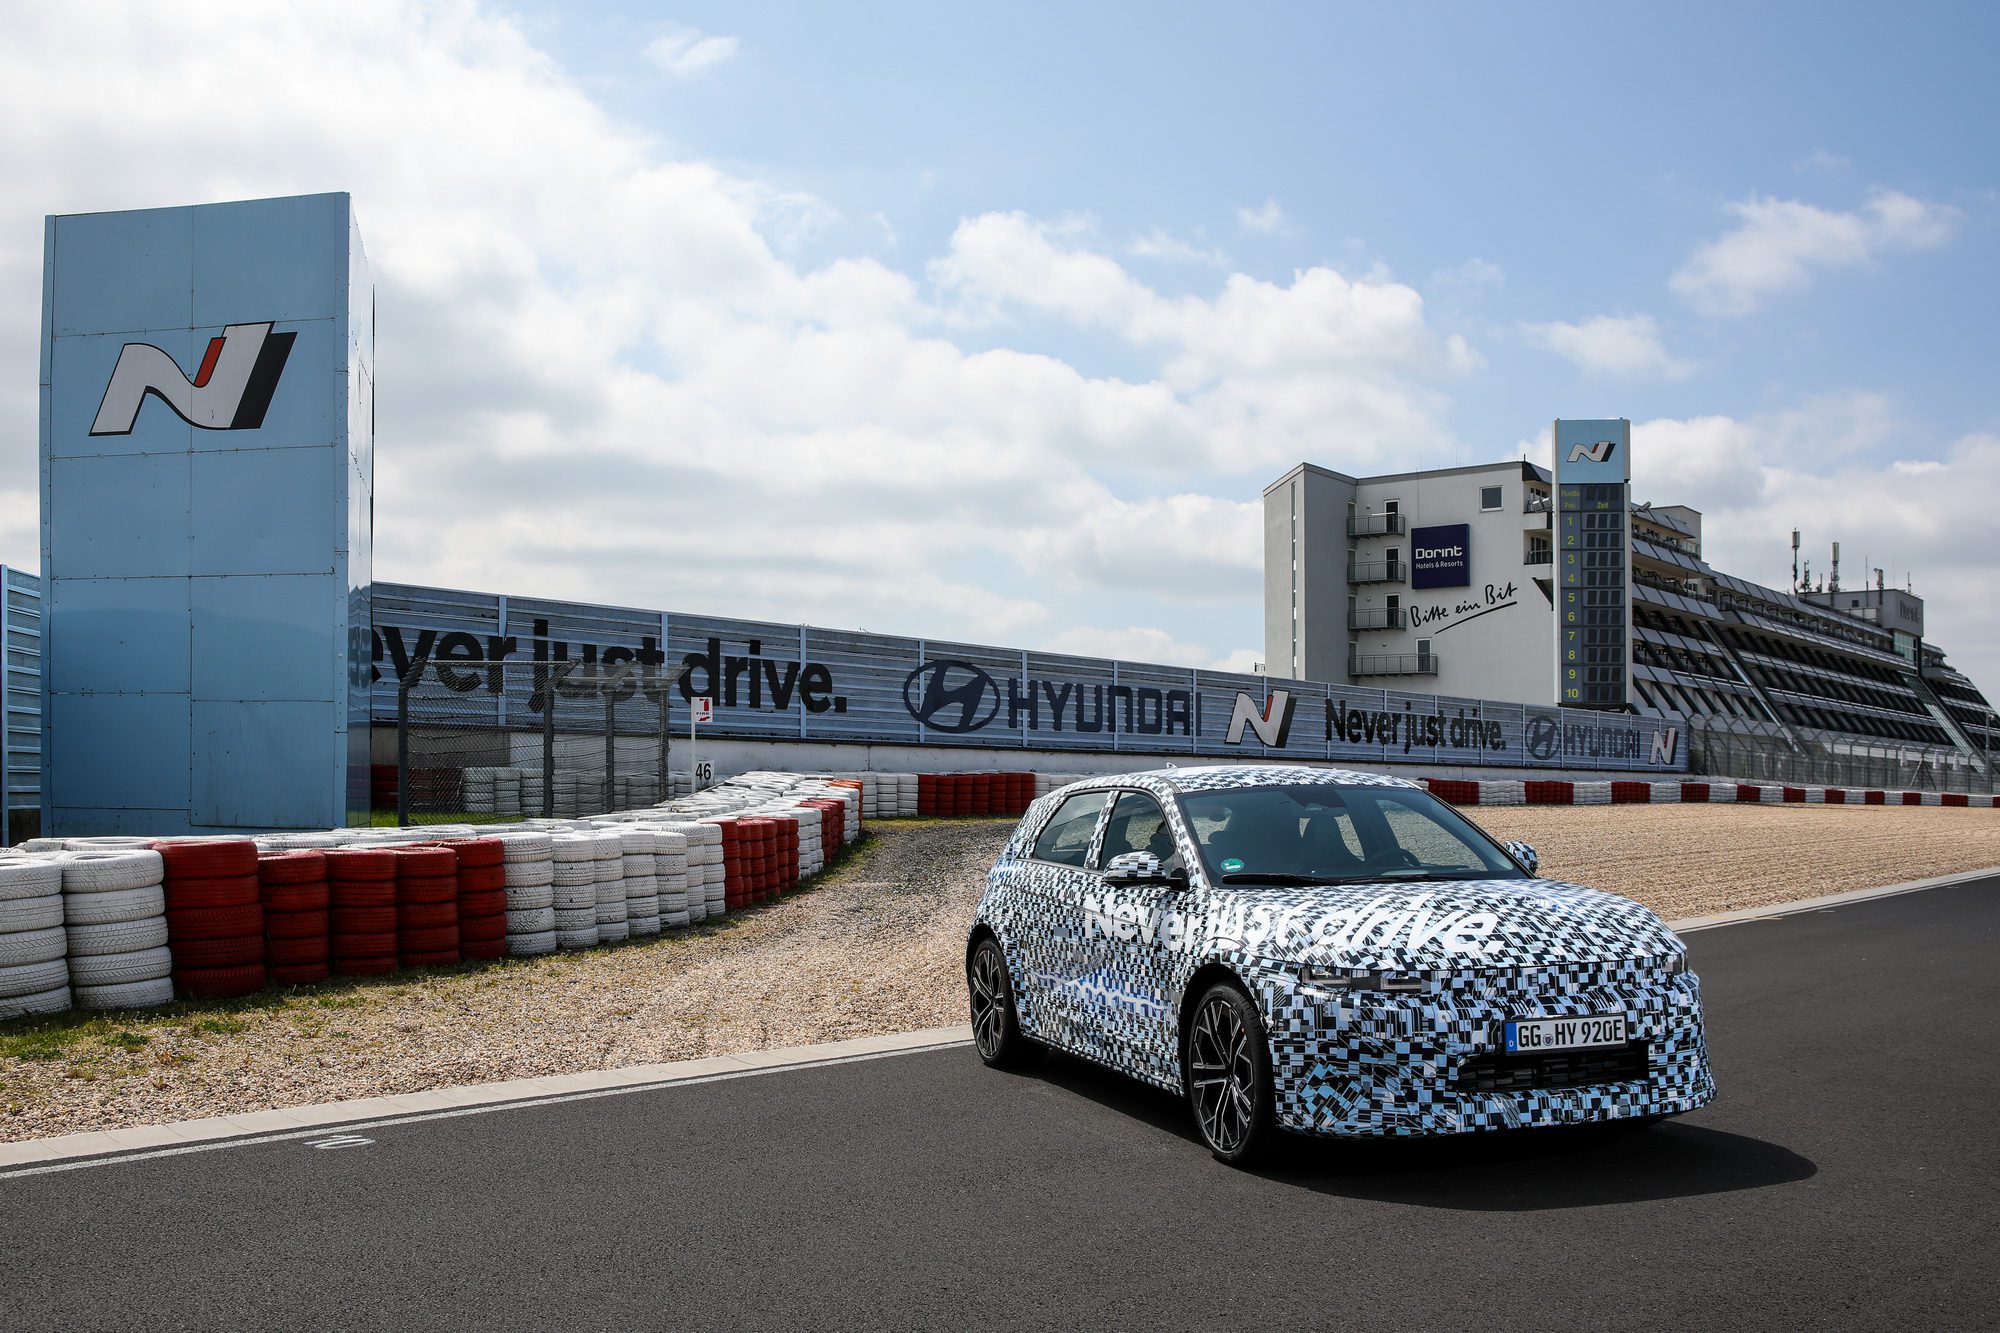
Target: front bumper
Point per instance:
(1358, 1063)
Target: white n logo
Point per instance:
(1666, 744)
(1596, 453)
(1272, 722)
(231, 390)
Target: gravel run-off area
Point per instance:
(875, 946)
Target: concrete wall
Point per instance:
(207, 385)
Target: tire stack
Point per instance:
(645, 907)
(426, 906)
(361, 894)
(785, 855)
(482, 898)
(736, 852)
(34, 973)
(705, 855)
(298, 925)
(215, 917)
(118, 955)
(670, 861)
(614, 911)
(528, 871)
(575, 890)
(693, 862)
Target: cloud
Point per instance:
(611, 378)
(1779, 244)
(1267, 219)
(1624, 345)
(685, 51)
(1167, 248)
(1820, 162)
(1474, 277)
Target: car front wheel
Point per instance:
(1229, 1076)
(996, 1029)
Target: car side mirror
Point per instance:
(1524, 854)
(1131, 869)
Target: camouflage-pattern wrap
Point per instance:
(1104, 970)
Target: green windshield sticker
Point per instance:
(1232, 865)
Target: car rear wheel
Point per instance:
(996, 1029)
(1229, 1076)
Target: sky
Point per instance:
(993, 326)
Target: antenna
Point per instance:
(1795, 559)
(1879, 585)
(1833, 579)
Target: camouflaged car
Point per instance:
(1325, 952)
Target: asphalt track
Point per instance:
(1846, 1176)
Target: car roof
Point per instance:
(1227, 777)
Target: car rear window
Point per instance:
(1065, 839)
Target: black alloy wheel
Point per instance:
(996, 1030)
(1229, 1076)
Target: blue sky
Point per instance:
(994, 325)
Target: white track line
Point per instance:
(76, 1152)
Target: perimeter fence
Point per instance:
(1832, 759)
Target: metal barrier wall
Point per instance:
(20, 704)
(474, 660)
(1831, 759)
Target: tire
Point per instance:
(364, 920)
(485, 902)
(371, 966)
(34, 914)
(296, 952)
(118, 937)
(215, 923)
(429, 891)
(219, 983)
(1227, 1060)
(103, 909)
(127, 995)
(223, 859)
(525, 848)
(101, 872)
(361, 893)
(312, 896)
(577, 939)
(482, 879)
(996, 1026)
(426, 916)
(120, 969)
(530, 874)
(33, 978)
(298, 925)
(372, 945)
(234, 951)
(426, 863)
(52, 1001)
(532, 921)
(531, 944)
(302, 867)
(359, 864)
(234, 891)
(427, 940)
(479, 853)
(33, 946)
(432, 958)
(481, 951)
(24, 877)
(300, 974)
(528, 898)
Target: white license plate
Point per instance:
(1526, 1036)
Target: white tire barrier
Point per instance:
(117, 937)
(117, 969)
(127, 995)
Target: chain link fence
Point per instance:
(504, 741)
(1832, 759)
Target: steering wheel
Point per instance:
(1393, 858)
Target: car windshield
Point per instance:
(1317, 833)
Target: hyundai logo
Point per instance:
(1543, 737)
(954, 697)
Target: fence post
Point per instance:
(403, 753)
(610, 752)
(666, 746)
(549, 746)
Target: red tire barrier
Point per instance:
(1835, 796)
(300, 974)
(1747, 794)
(481, 879)
(479, 951)
(354, 864)
(424, 941)
(1874, 798)
(425, 863)
(1794, 795)
(361, 892)
(425, 916)
(371, 966)
(307, 925)
(1913, 798)
(219, 983)
(291, 952)
(1694, 792)
(364, 920)
(291, 868)
(433, 958)
(214, 923)
(486, 902)
(1548, 792)
(371, 944)
(232, 951)
(234, 891)
(1457, 791)
(313, 897)
(224, 858)
(481, 928)
(427, 889)
(1954, 798)
(1631, 793)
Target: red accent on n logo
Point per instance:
(208, 362)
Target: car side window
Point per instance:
(1065, 839)
(1137, 825)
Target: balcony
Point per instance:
(1539, 555)
(1375, 571)
(1376, 525)
(1378, 618)
(1392, 664)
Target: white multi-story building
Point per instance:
(1449, 580)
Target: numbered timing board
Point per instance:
(1592, 605)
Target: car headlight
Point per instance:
(1677, 964)
(1333, 978)
(1319, 974)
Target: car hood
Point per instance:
(1438, 925)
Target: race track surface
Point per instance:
(1844, 1177)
